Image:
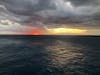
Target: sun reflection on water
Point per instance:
(62, 53)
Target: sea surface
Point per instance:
(49, 55)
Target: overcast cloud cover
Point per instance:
(52, 11)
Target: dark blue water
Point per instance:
(49, 55)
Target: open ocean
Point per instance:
(49, 55)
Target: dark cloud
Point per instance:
(52, 11)
(81, 2)
(26, 7)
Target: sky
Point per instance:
(50, 17)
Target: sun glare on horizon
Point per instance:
(59, 31)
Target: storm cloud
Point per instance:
(52, 11)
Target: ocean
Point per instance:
(49, 55)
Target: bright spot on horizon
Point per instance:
(66, 31)
(34, 32)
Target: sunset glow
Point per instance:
(34, 32)
(66, 31)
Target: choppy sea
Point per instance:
(49, 55)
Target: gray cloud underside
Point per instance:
(52, 11)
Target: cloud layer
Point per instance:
(52, 11)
